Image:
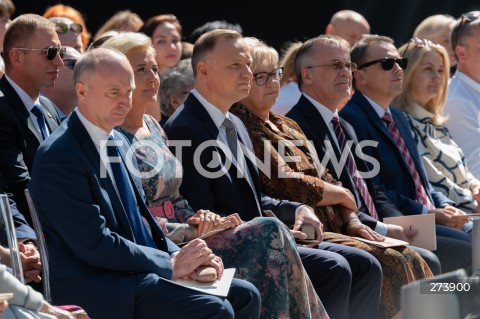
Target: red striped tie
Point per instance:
(420, 192)
(352, 169)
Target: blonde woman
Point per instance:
(422, 99)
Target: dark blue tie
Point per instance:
(40, 120)
(127, 196)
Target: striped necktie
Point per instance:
(420, 192)
(352, 168)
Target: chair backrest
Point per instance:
(8, 237)
(42, 247)
(417, 302)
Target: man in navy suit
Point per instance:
(401, 176)
(324, 89)
(220, 175)
(32, 58)
(106, 251)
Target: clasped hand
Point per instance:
(196, 253)
(206, 221)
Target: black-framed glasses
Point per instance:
(337, 66)
(387, 63)
(464, 21)
(51, 52)
(62, 27)
(261, 78)
(70, 63)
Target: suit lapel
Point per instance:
(199, 110)
(92, 154)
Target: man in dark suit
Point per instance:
(324, 90)
(32, 57)
(221, 175)
(401, 175)
(101, 238)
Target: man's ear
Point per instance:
(202, 68)
(81, 88)
(460, 52)
(359, 77)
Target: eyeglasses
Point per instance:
(70, 63)
(387, 63)
(466, 19)
(63, 27)
(337, 66)
(261, 78)
(51, 52)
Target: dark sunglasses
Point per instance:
(463, 26)
(387, 63)
(70, 63)
(63, 27)
(337, 66)
(261, 78)
(51, 52)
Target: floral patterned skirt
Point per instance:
(264, 253)
(400, 265)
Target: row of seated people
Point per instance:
(113, 244)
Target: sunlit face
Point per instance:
(227, 71)
(262, 97)
(379, 83)
(168, 46)
(469, 54)
(325, 84)
(147, 80)
(37, 71)
(105, 97)
(426, 80)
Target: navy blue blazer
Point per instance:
(19, 140)
(227, 193)
(394, 177)
(93, 258)
(313, 125)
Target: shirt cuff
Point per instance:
(425, 210)
(381, 228)
(298, 208)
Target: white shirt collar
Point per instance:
(376, 107)
(27, 101)
(217, 116)
(325, 112)
(96, 133)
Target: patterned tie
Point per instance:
(352, 169)
(40, 120)
(231, 135)
(420, 192)
(127, 196)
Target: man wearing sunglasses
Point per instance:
(32, 55)
(401, 175)
(324, 92)
(69, 33)
(463, 100)
(63, 94)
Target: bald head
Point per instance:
(349, 25)
(104, 82)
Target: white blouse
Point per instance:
(443, 159)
